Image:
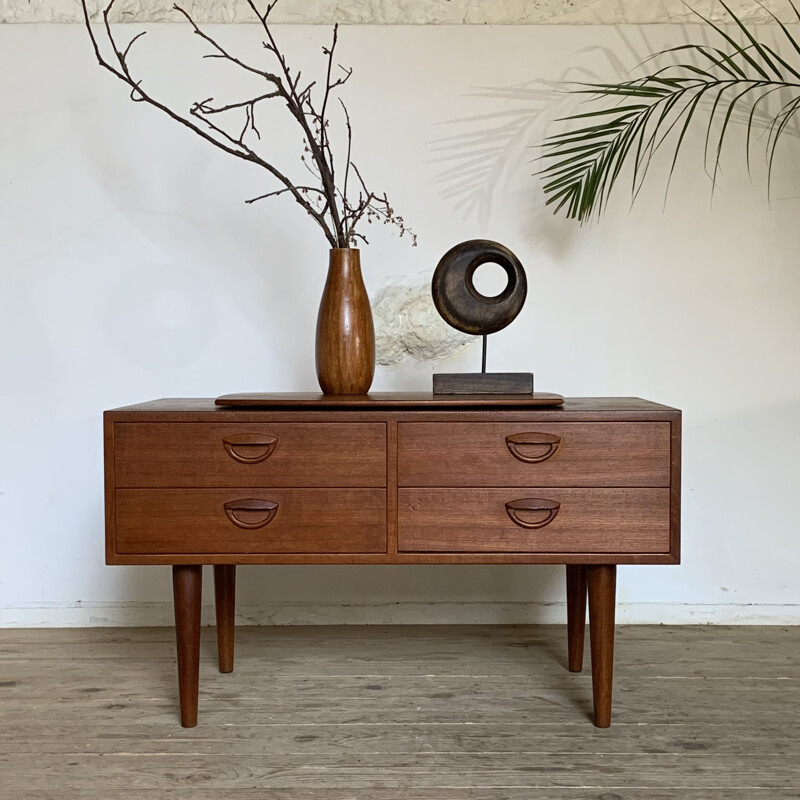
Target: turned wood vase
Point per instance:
(345, 350)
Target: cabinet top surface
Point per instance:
(399, 401)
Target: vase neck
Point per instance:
(345, 259)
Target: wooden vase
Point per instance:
(345, 351)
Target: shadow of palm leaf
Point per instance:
(479, 161)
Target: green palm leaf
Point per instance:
(708, 85)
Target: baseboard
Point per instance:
(113, 614)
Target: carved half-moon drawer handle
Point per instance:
(533, 448)
(532, 512)
(251, 514)
(249, 448)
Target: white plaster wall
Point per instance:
(131, 269)
(404, 12)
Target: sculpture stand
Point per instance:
(483, 382)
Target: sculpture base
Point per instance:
(483, 383)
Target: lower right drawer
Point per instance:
(525, 520)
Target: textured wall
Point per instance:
(407, 325)
(403, 12)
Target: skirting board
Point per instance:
(93, 614)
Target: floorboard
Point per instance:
(434, 712)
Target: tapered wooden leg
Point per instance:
(187, 584)
(602, 580)
(225, 598)
(576, 615)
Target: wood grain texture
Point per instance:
(225, 608)
(305, 406)
(588, 520)
(477, 454)
(187, 584)
(462, 713)
(305, 411)
(385, 400)
(675, 488)
(171, 461)
(345, 342)
(576, 615)
(671, 654)
(341, 700)
(602, 583)
(319, 454)
(391, 494)
(155, 559)
(195, 521)
(110, 485)
(461, 304)
(485, 383)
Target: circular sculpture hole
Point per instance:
(490, 279)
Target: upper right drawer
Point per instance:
(614, 454)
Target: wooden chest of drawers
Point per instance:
(393, 479)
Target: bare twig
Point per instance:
(131, 43)
(348, 225)
(327, 204)
(283, 191)
(318, 151)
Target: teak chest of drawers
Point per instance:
(394, 479)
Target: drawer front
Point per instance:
(614, 454)
(541, 520)
(251, 521)
(315, 454)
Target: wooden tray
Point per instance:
(385, 400)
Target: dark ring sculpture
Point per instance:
(461, 304)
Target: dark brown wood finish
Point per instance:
(675, 489)
(197, 521)
(458, 300)
(394, 479)
(476, 557)
(225, 604)
(382, 400)
(391, 495)
(187, 584)
(586, 520)
(602, 583)
(485, 383)
(197, 455)
(110, 487)
(345, 352)
(576, 615)
(515, 454)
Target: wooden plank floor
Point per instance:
(401, 713)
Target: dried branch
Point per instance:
(277, 192)
(329, 205)
(131, 43)
(207, 109)
(297, 109)
(222, 53)
(348, 225)
(328, 51)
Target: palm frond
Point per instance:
(704, 84)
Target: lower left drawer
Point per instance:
(250, 521)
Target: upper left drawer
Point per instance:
(187, 454)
